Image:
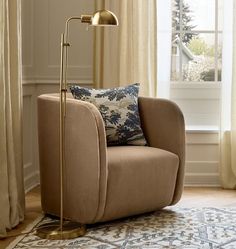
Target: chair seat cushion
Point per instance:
(140, 179)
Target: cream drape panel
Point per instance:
(128, 54)
(11, 180)
(228, 109)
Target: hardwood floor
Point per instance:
(33, 210)
(207, 197)
(192, 197)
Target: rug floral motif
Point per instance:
(177, 228)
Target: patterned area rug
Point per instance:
(184, 228)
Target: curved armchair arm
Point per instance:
(163, 126)
(85, 173)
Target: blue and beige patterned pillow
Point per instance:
(119, 110)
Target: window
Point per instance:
(196, 41)
(191, 35)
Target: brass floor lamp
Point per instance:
(67, 229)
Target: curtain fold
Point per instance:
(11, 170)
(228, 100)
(128, 54)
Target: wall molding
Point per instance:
(54, 81)
(202, 180)
(28, 168)
(31, 181)
(71, 66)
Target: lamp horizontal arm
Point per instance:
(67, 25)
(73, 18)
(83, 18)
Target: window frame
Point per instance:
(216, 32)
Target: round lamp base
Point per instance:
(52, 230)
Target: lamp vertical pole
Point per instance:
(63, 91)
(62, 229)
(62, 131)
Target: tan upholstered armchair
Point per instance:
(104, 183)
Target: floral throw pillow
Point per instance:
(119, 110)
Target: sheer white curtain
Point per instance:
(228, 103)
(128, 53)
(11, 179)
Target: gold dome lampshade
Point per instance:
(104, 18)
(101, 18)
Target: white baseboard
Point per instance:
(202, 180)
(191, 180)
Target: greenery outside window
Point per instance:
(196, 40)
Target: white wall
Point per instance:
(42, 23)
(202, 159)
(200, 104)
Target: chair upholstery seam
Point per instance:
(99, 154)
